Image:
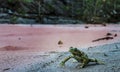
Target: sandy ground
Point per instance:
(49, 62)
(108, 53)
(26, 48)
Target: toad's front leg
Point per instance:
(65, 60)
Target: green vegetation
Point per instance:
(20, 0)
(100, 11)
(89, 11)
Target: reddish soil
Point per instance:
(46, 37)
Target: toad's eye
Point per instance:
(71, 47)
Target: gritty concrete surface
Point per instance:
(49, 62)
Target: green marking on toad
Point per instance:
(79, 56)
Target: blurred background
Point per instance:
(59, 11)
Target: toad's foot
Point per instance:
(80, 66)
(100, 62)
(62, 64)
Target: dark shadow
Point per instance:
(12, 48)
(92, 64)
(104, 38)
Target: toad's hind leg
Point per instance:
(83, 64)
(95, 60)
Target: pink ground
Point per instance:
(45, 38)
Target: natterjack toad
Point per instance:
(79, 56)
